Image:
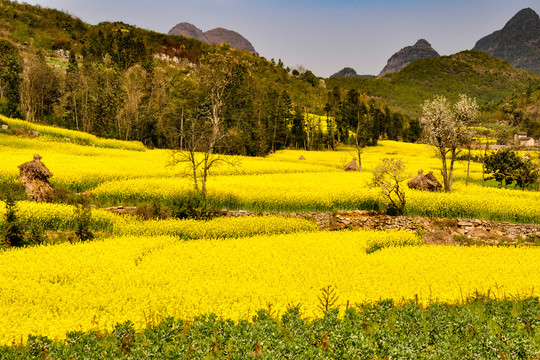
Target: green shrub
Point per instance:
(191, 206)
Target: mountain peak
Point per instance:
(188, 30)
(420, 50)
(220, 35)
(346, 72)
(422, 43)
(215, 36)
(518, 42)
(525, 19)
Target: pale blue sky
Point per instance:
(323, 36)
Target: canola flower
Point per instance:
(326, 191)
(50, 290)
(213, 229)
(72, 135)
(56, 216)
(81, 168)
(63, 217)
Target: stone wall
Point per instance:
(359, 219)
(472, 228)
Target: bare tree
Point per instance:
(388, 176)
(204, 134)
(199, 154)
(38, 89)
(446, 128)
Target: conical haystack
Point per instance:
(352, 166)
(301, 157)
(434, 180)
(35, 176)
(423, 182)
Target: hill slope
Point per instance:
(474, 73)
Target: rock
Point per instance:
(189, 31)
(421, 50)
(215, 36)
(438, 237)
(464, 224)
(481, 234)
(517, 42)
(220, 35)
(5, 127)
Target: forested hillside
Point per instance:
(488, 79)
(116, 80)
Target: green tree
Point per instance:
(298, 134)
(13, 232)
(356, 118)
(505, 166)
(83, 220)
(11, 79)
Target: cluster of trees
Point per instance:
(149, 100)
(507, 166)
(131, 95)
(360, 119)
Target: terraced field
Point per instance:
(146, 271)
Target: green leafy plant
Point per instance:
(13, 234)
(125, 335)
(83, 220)
(191, 206)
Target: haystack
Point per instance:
(434, 180)
(352, 166)
(301, 157)
(424, 182)
(35, 176)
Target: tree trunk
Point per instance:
(468, 167)
(451, 170)
(182, 130)
(359, 151)
(444, 170)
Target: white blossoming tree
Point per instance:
(446, 127)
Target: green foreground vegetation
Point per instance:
(481, 329)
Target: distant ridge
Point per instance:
(188, 30)
(215, 36)
(421, 50)
(518, 42)
(348, 72)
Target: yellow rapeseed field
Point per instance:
(81, 168)
(63, 217)
(333, 190)
(50, 290)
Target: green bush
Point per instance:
(479, 329)
(191, 206)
